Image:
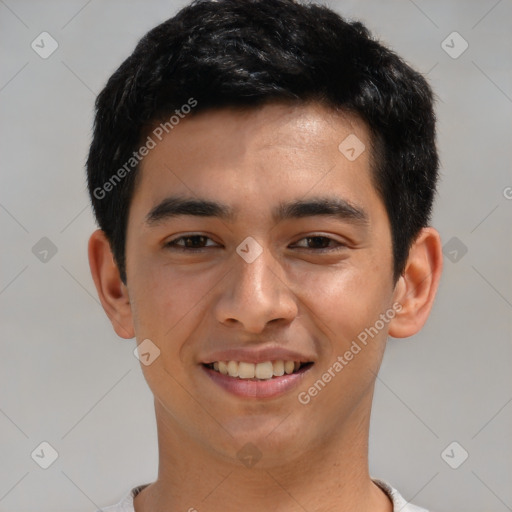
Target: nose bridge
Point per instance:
(255, 279)
(256, 293)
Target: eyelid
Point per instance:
(172, 242)
(339, 243)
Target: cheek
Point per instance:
(165, 299)
(167, 307)
(346, 300)
(346, 305)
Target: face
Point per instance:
(256, 247)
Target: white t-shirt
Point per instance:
(399, 504)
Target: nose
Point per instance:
(255, 294)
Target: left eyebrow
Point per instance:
(326, 206)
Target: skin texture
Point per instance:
(314, 456)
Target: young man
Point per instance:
(263, 173)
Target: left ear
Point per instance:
(416, 288)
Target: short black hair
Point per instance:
(245, 53)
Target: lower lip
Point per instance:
(248, 388)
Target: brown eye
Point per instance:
(189, 242)
(319, 243)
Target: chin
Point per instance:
(268, 438)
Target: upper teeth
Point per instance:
(264, 371)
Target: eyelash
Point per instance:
(173, 246)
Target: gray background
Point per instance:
(66, 378)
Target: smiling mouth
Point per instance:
(266, 370)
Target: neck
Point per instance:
(330, 476)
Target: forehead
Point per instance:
(238, 155)
(303, 127)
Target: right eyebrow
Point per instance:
(175, 206)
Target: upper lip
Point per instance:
(256, 355)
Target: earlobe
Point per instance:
(416, 288)
(112, 292)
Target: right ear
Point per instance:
(111, 290)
